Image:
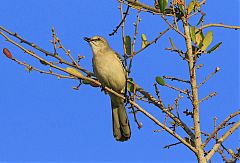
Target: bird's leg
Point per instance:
(127, 99)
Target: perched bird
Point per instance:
(109, 70)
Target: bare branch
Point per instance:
(165, 110)
(178, 89)
(209, 76)
(122, 21)
(150, 43)
(208, 96)
(42, 71)
(220, 127)
(142, 5)
(22, 40)
(163, 126)
(67, 52)
(222, 139)
(176, 79)
(173, 27)
(219, 25)
(170, 145)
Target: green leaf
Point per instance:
(200, 20)
(207, 41)
(162, 4)
(181, 7)
(128, 47)
(214, 47)
(173, 45)
(190, 7)
(193, 34)
(132, 86)
(144, 41)
(160, 81)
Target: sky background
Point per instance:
(44, 119)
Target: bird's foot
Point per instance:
(127, 99)
(103, 89)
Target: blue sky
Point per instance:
(44, 119)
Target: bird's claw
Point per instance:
(127, 99)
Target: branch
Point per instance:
(160, 105)
(97, 83)
(46, 62)
(180, 52)
(170, 145)
(67, 52)
(163, 126)
(177, 79)
(222, 139)
(203, 2)
(178, 89)
(173, 27)
(193, 81)
(22, 40)
(134, 39)
(209, 76)
(208, 96)
(150, 43)
(119, 25)
(219, 25)
(220, 127)
(142, 5)
(42, 71)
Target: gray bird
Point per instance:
(109, 70)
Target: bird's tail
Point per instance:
(121, 127)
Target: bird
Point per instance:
(110, 71)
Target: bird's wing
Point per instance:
(122, 61)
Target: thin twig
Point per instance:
(172, 26)
(180, 52)
(209, 76)
(119, 25)
(178, 89)
(222, 139)
(219, 25)
(170, 145)
(220, 127)
(67, 52)
(42, 71)
(139, 124)
(208, 96)
(61, 60)
(142, 5)
(150, 43)
(134, 39)
(176, 79)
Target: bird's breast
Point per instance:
(109, 71)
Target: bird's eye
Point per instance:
(98, 39)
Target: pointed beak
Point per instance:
(87, 39)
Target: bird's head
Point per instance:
(97, 43)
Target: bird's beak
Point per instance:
(87, 39)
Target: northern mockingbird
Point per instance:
(109, 70)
